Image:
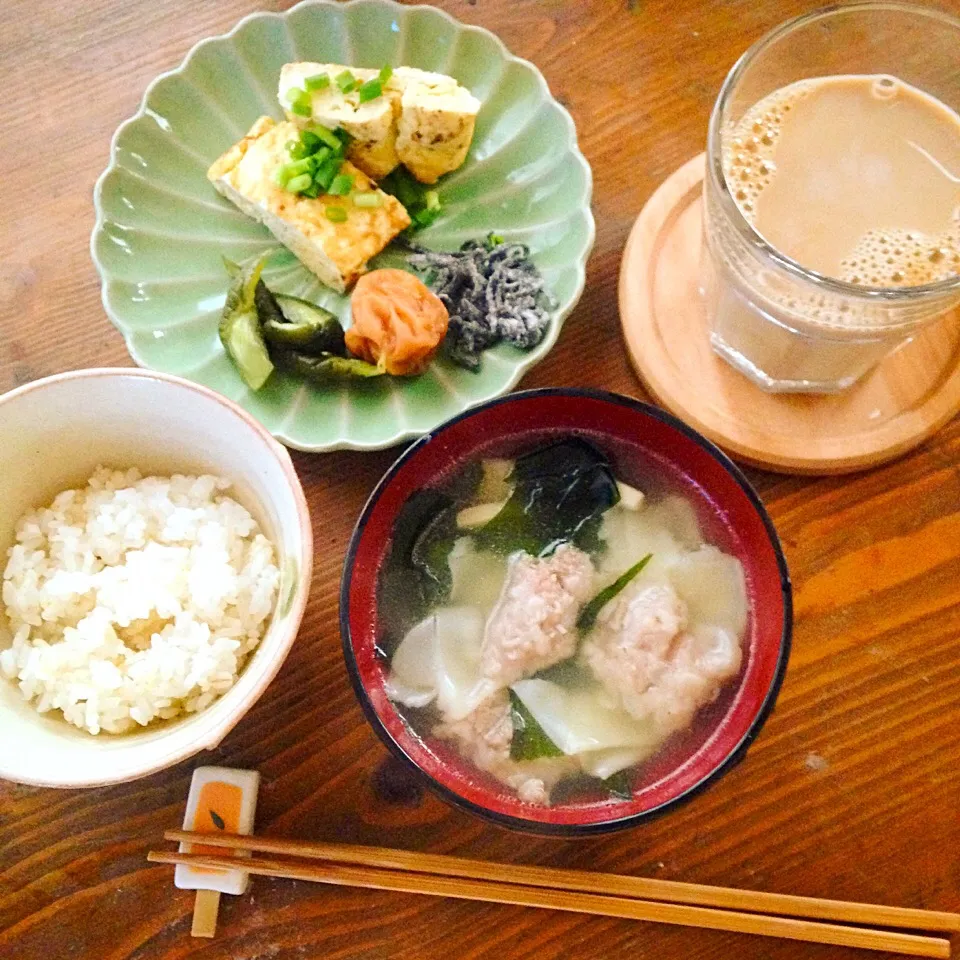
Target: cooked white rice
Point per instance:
(135, 598)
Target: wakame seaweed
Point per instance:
(619, 784)
(582, 788)
(414, 517)
(406, 592)
(432, 548)
(560, 493)
(416, 574)
(530, 741)
(571, 455)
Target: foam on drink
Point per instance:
(854, 177)
(749, 147)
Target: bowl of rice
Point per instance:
(156, 554)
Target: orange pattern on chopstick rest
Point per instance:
(216, 800)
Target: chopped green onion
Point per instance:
(341, 185)
(423, 206)
(588, 615)
(317, 155)
(336, 215)
(401, 185)
(367, 200)
(300, 102)
(316, 160)
(326, 135)
(327, 171)
(318, 81)
(311, 141)
(347, 82)
(386, 72)
(296, 167)
(299, 183)
(301, 108)
(423, 218)
(371, 90)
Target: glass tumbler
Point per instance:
(766, 310)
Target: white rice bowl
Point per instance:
(135, 599)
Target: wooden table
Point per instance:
(852, 788)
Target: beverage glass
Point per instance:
(787, 327)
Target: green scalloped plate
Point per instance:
(161, 228)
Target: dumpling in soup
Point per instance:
(586, 725)
(439, 660)
(714, 588)
(533, 625)
(476, 576)
(484, 737)
(643, 652)
(629, 535)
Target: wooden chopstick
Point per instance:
(581, 880)
(489, 891)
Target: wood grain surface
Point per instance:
(852, 789)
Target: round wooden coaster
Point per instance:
(903, 401)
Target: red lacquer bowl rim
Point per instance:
(617, 822)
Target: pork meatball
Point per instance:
(533, 624)
(643, 653)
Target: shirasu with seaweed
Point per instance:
(493, 292)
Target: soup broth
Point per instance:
(555, 626)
